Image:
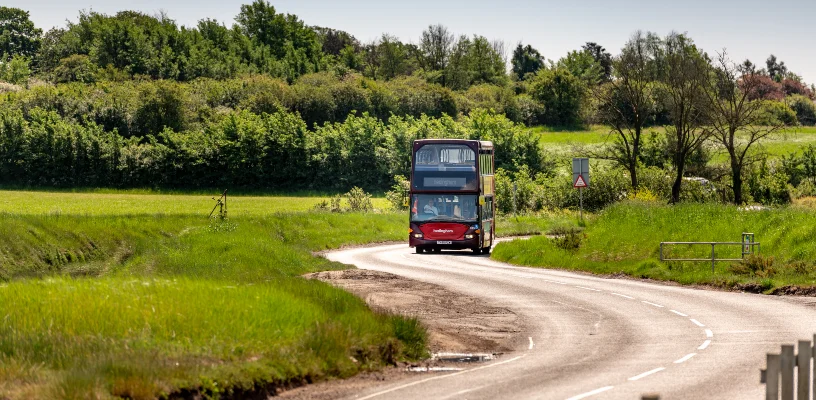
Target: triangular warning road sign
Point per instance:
(579, 183)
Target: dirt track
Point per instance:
(456, 323)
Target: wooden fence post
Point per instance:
(803, 372)
(772, 377)
(788, 362)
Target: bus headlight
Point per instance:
(468, 236)
(418, 235)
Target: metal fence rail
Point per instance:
(749, 246)
(789, 373)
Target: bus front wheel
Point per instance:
(419, 250)
(477, 251)
(486, 250)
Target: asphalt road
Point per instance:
(591, 337)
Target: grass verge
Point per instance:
(625, 239)
(143, 305)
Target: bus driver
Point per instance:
(430, 209)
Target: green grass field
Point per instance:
(141, 296)
(135, 203)
(563, 142)
(625, 238)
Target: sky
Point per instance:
(751, 29)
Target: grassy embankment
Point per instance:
(135, 295)
(140, 296)
(625, 238)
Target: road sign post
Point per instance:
(580, 180)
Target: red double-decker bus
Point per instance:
(452, 195)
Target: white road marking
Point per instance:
(686, 358)
(647, 373)
(709, 333)
(696, 322)
(704, 345)
(440, 377)
(652, 304)
(531, 343)
(582, 287)
(679, 313)
(592, 393)
(623, 295)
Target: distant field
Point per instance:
(129, 203)
(562, 142)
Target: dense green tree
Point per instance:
(626, 103)
(734, 120)
(583, 66)
(435, 50)
(333, 41)
(393, 57)
(561, 95)
(602, 57)
(16, 70)
(526, 60)
(682, 71)
(776, 69)
(18, 35)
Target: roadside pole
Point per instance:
(581, 202)
(580, 180)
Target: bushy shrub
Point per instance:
(804, 108)
(359, 200)
(14, 70)
(570, 240)
(75, 68)
(776, 113)
(398, 195)
(767, 184)
(161, 105)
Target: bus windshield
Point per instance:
(445, 166)
(443, 207)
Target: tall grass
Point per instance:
(625, 238)
(144, 304)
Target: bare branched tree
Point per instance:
(734, 117)
(626, 103)
(435, 46)
(683, 70)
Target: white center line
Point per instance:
(531, 343)
(686, 358)
(623, 295)
(704, 345)
(709, 333)
(645, 374)
(582, 287)
(652, 304)
(696, 322)
(592, 393)
(679, 313)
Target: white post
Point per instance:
(772, 377)
(788, 362)
(803, 369)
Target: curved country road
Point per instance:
(592, 337)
